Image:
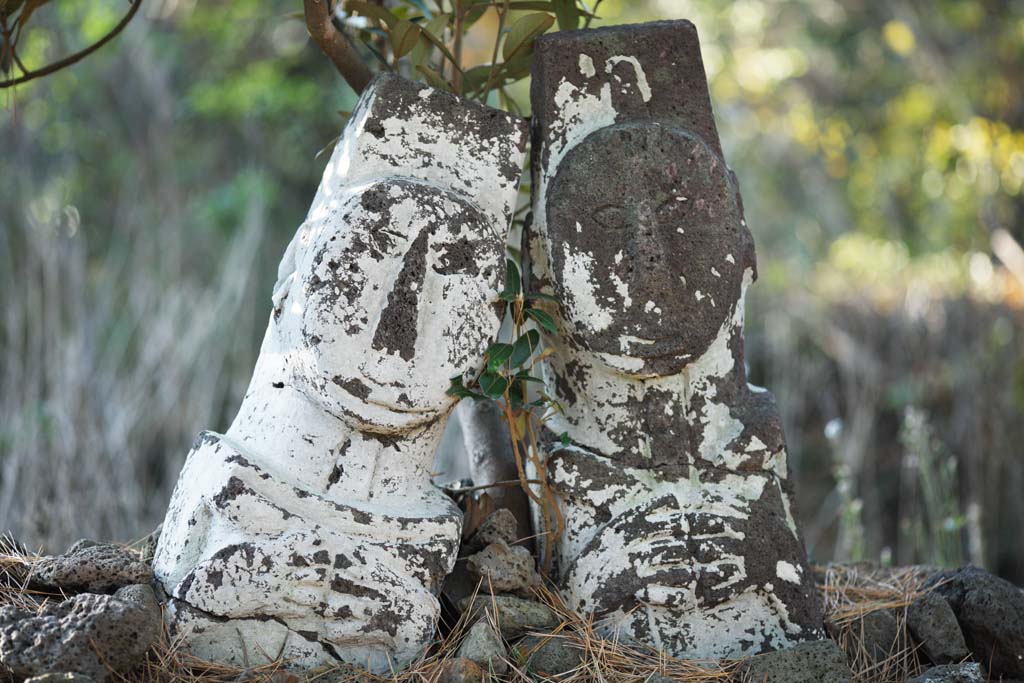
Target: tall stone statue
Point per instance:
(311, 529)
(675, 488)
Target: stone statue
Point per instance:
(311, 529)
(679, 530)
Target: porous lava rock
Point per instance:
(990, 611)
(817, 662)
(86, 634)
(91, 567)
(933, 625)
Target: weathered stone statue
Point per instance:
(311, 530)
(675, 489)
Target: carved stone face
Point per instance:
(650, 244)
(396, 298)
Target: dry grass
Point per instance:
(848, 594)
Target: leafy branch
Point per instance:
(506, 378)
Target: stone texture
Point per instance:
(953, 673)
(461, 670)
(503, 568)
(990, 611)
(933, 624)
(91, 567)
(675, 486)
(878, 632)
(816, 662)
(84, 634)
(60, 678)
(311, 528)
(548, 655)
(500, 526)
(513, 616)
(485, 647)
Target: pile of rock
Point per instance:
(506, 623)
(98, 615)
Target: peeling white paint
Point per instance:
(311, 529)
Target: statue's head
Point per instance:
(389, 288)
(394, 295)
(639, 219)
(648, 242)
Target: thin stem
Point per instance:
(494, 56)
(457, 49)
(76, 57)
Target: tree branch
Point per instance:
(335, 45)
(71, 59)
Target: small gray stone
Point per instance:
(500, 526)
(878, 632)
(815, 662)
(92, 568)
(461, 670)
(933, 624)
(60, 678)
(548, 655)
(514, 616)
(953, 673)
(85, 634)
(484, 647)
(504, 568)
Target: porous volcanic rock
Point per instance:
(91, 567)
(990, 611)
(548, 656)
(504, 568)
(953, 673)
(933, 624)
(818, 662)
(484, 647)
(84, 634)
(514, 616)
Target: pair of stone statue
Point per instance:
(311, 529)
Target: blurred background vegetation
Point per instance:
(147, 193)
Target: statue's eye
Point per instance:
(673, 209)
(611, 217)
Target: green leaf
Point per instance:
(568, 17)
(543, 319)
(368, 9)
(564, 438)
(516, 395)
(433, 28)
(476, 78)
(404, 36)
(525, 376)
(513, 282)
(524, 347)
(519, 40)
(493, 384)
(457, 388)
(497, 354)
(433, 78)
(540, 296)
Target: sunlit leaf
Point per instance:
(520, 37)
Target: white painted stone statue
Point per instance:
(311, 529)
(674, 487)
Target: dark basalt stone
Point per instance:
(818, 662)
(990, 611)
(933, 624)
